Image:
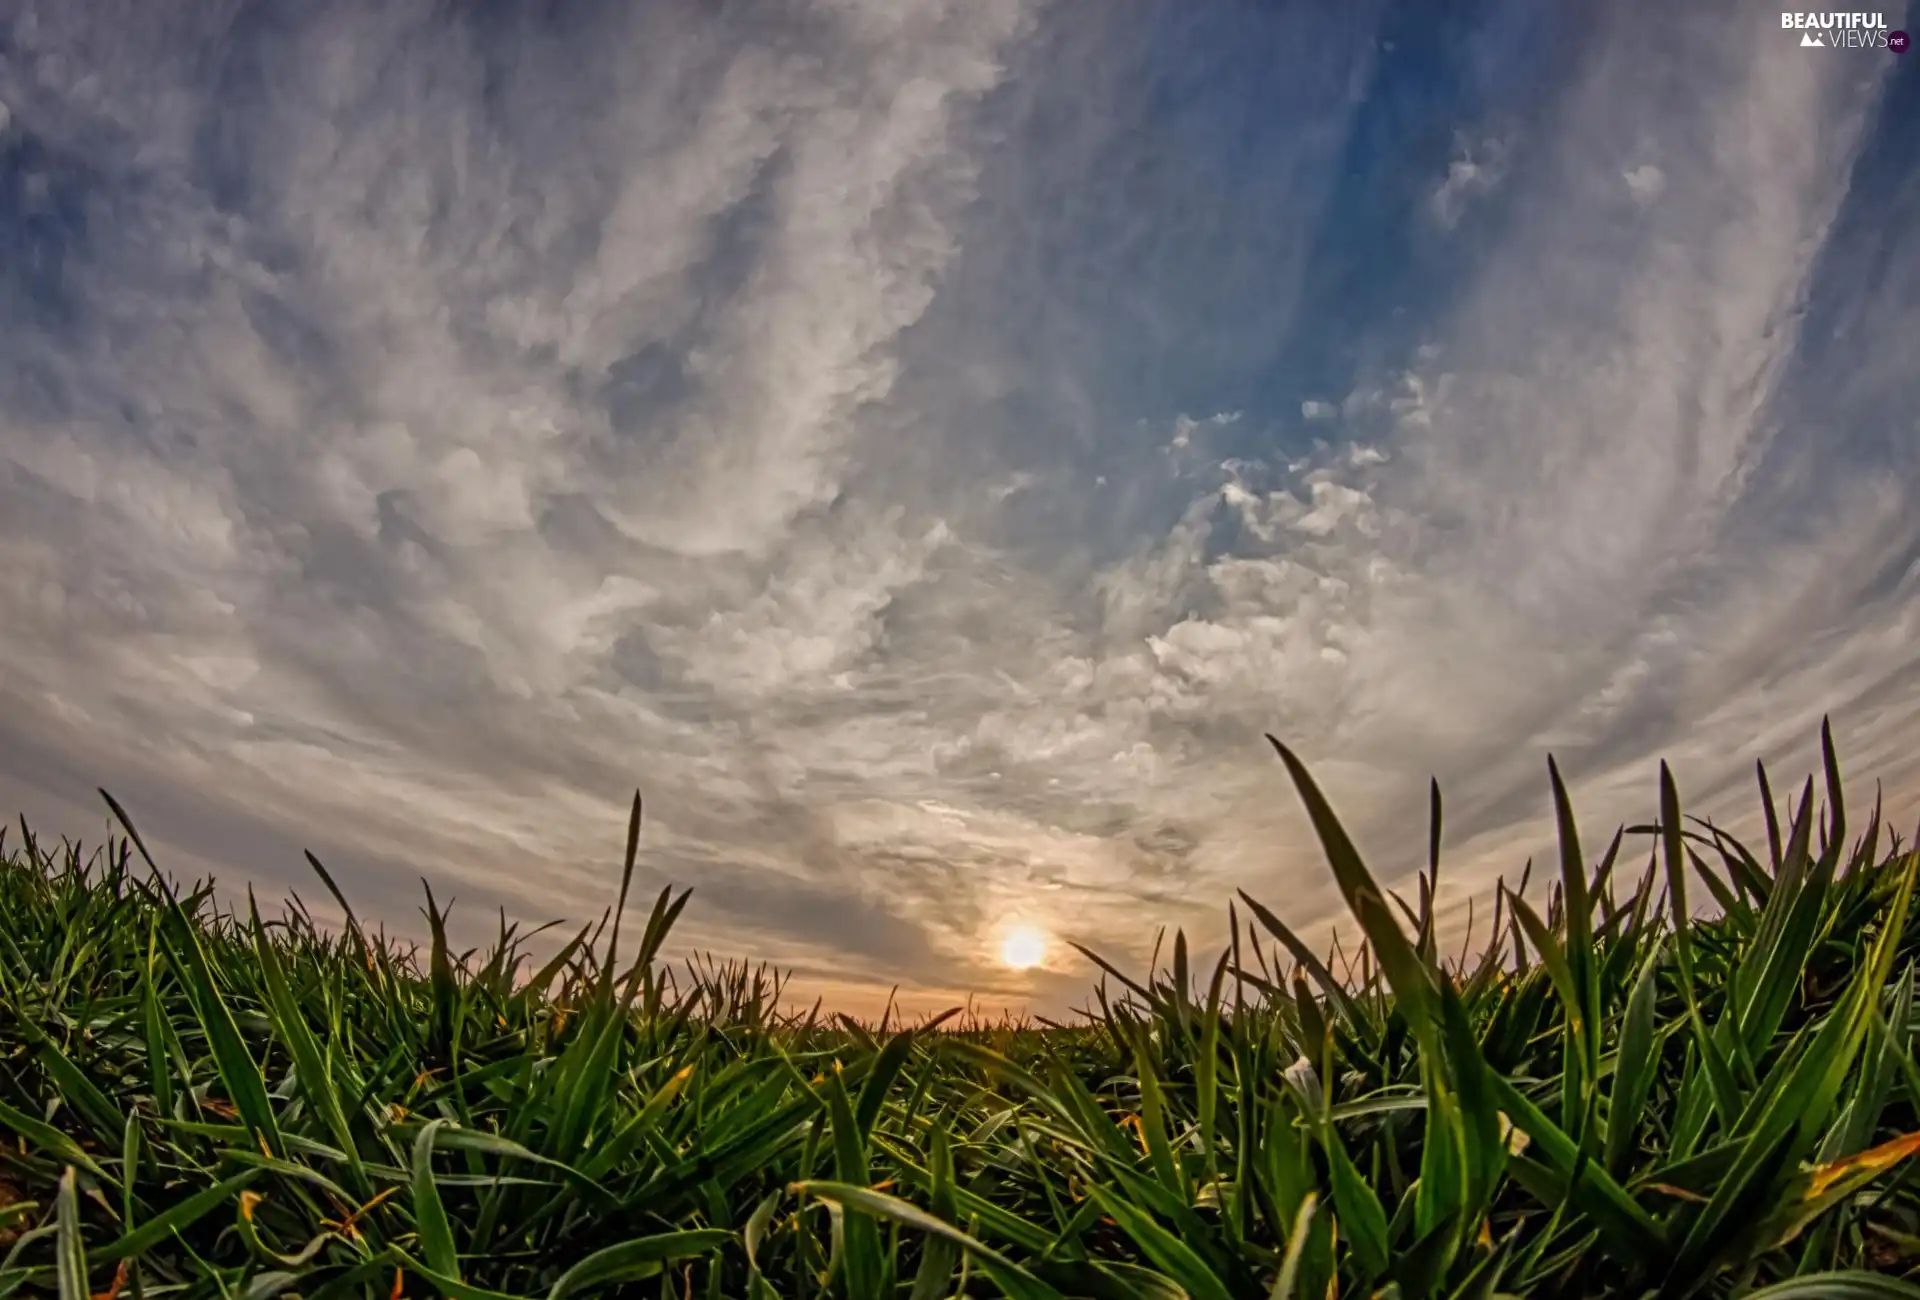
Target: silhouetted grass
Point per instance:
(1615, 1098)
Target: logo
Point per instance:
(1838, 31)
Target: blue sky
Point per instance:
(923, 444)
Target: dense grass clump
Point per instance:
(1615, 1098)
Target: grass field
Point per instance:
(1613, 1099)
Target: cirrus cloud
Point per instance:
(903, 440)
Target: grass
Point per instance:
(1617, 1097)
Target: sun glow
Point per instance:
(1024, 947)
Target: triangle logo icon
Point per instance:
(1808, 41)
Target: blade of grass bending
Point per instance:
(1413, 915)
(346, 909)
(1131, 984)
(636, 1129)
(1072, 1099)
(1552, 956)
(1819, 1189)
(1595, 1192)
(536, 987)
(239, 1072)
(12, 1276)
(485, 1143)
(261, 1251)
(971, 1207)
(660, 921)
(72, 1084)
(1167, 1252)
(1725, 896)
(175, 1218)
(1132, 1186)
(751, 1236)
(1016, 1281)
(1840, 1284)
(1307, 960)
(450, 1287)
(886, 1069)
(1409, 978)
(1742, 868)
(1108, 1279)
(429, 1214)
(359, 1280)
(1097, 1128)
(265, 1286)
(639, 1258)
(1356, 1207)
(52, 1141)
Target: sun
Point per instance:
(1024, 947)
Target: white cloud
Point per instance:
(1185, 427)
(1645, 182)
(1478, 166)
(448, 442)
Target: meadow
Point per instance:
(1687, 1069)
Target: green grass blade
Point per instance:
(1410, 978)
(1724, 1089)
(429, 1212)
(641, 1257)
(52, 1141)
(175, 1218)
(1842, 1284)
(70, 1252)
(1637, 1065)
(1167, 1252)
(1014, 1280)
(1286, 1283)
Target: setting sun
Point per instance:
(1024, 947)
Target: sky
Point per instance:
(922, 445)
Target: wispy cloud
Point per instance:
(1475, 169)
(906, 440)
